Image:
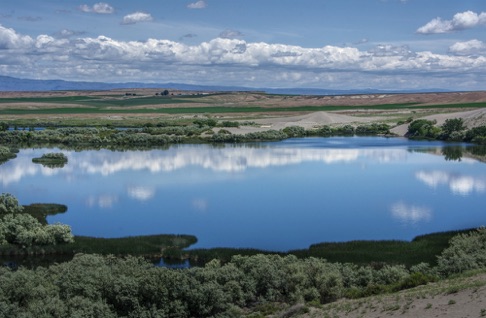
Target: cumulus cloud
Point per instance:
(234, 61)
(201, 4)
(472, 47)
(100, 8)
(136, 17)
(9, 39)
(230, 34)
(460, 21)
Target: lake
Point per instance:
(274, 196)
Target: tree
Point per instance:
(9, 204)
(165, 93)
(423, 128)
(23, 229)
(453, 129)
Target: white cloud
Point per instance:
(460, 21)
(100, 8)
(137, 17)
(237, 62)
(472, 47)
(201, 4)
(411, 213)
(9, 39)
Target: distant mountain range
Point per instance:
(8, 83)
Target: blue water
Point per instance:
(275, 196)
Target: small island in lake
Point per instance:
(52, 160)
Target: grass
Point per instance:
(423, 248)
(122, 105)
(147, 245)
(41, 210)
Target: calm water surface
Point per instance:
(276, 196)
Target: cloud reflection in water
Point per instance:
(411, 213)
(458, 184)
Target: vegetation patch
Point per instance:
(51, 158)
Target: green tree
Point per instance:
(9, 204)
(465, 252)
(452, 129)
(423, 128)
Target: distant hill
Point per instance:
(8, 83)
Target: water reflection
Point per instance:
(411, 213)
(141, 193)
(453, 153)
(275, 196)
(458, 183)
(227, 159)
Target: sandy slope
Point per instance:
(471, 119)
(307, 121)
(464, 297)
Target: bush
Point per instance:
(373, 129)
(24, 230)
(294, 131)
(476, 134)
(230, 124)
(450, 126)
(205, 122)
(346, 130)
(423, 128)
(466, 252)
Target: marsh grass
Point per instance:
(422, 249)
(41, 210)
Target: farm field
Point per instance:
(147, 106)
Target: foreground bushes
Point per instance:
(97, 286)
(23, 230)
(91, 285)
(107, 286)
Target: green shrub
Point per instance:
(373, 129)
(294, 131)
(346, 130)
(423, 128)
(466, 252)
(452, 126)
(476, 134)
(230, 124)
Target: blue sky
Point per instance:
(335, 44)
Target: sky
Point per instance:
(327, 44)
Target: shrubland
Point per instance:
(92, 285)
(107, 286)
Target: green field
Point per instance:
(222, 103)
